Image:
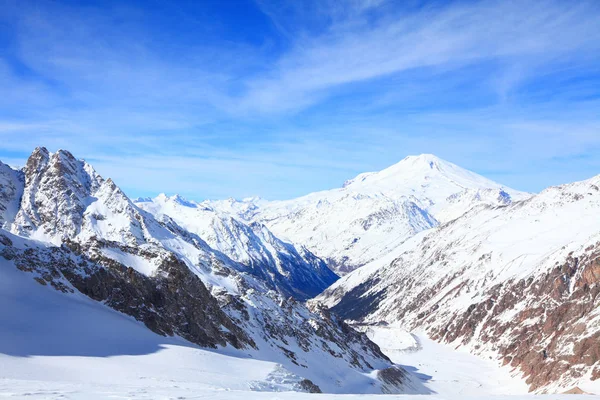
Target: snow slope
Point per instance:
(83, 341)
(518, 281)
(54, 346)
(444, 369)
(375, 212)
(50, 336)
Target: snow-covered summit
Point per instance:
(375, 211)
(423, 176)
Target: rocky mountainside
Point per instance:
(11, 191)
(73, 230)
(375, 212)
(519, 281)
(293, 270)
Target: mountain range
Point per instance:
(423, 245)
(519, 281)
(77, 232)
(375, 212)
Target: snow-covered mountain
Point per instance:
(78, 233)
(519, 282)
(375, 212)
(11, 191)
(293, 270)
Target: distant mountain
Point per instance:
(74, 231)
(375, 212)
(294, 270)
(519, 281)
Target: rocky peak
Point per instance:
(57, 190)
(112, 186)
(36, 161)
(11, 190)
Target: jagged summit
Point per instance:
(63, 198)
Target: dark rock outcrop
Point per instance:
(306, 385)
(548, 340)
(174, 302)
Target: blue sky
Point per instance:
(212, 99)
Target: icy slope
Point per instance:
(48, 336)
(445, 370)
(312, 350)
(375, 212)
(521, 281)
(294, 270)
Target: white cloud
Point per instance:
(202, 118)
(528, 34)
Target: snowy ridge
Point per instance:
(375, 212)
(293, 270)
(479, 279)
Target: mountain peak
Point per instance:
(37, 160)
(415, 174)
(176, 198)
(425, 157)
(422, 162)
(61, 153)
(40, 150)
(429, 161)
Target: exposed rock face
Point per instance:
(306, 385)
(391, 377)
(11, 191)
(174, 302)
(521, 280)
(551, 340)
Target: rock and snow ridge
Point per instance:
(375, 212)
(78, 233)
(64, 198)
(519, 282)
(293, 270)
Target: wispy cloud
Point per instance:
(499, 87)
(526, 34)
